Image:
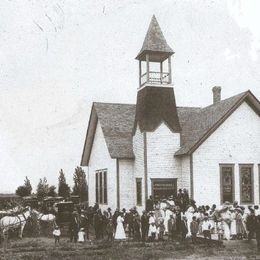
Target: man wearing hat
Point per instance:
(171, 227)
(257, 230)
(130, 222)
(114, 218)
(85, 222)
(149, 204)
(74, 227)
(144, 225)
(109, 213)
(250, 224)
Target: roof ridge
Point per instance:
(232, 106)
(237, 95)
(189, 107)
(111, 103)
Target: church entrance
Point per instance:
(163, 188)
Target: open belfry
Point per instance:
(153, 147)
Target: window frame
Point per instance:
(259, 181)
(137, 181)
(97, 186)
(221, 166)
(101, 190)
(251, 166)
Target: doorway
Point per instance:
(163, 188)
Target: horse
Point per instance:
(12, 222)
(45, 217)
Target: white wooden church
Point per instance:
(154, 147)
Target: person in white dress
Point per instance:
(168, 213)
(81, 235)
(163, 204)
(151, 227)
(170, 201)
(226, 217)
(189, 215)
(233, 225)
(56, 233)
(120, 232)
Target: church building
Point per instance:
(154, 147)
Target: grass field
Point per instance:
(44, 248)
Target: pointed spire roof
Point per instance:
(155, 43)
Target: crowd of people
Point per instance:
(169, 218)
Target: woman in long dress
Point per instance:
(189, 215)
(168, 213)
(226, 217)
(241, 231)
(151, 226)
(120, 232)
(233, 225)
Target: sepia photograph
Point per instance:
(129, 129)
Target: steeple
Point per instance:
(155, 44)
(155, 97)
(156, 50)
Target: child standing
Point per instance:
(161, 230)
(81, 235)
(56, 233)
(110, 229)
(183, 228)
(206, 226)
(220, 230)
(194, 229)
(152, 231)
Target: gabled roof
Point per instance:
(154, 42)
(117, 122)
(199, 124)
(154, 106)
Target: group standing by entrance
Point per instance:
(172, 219)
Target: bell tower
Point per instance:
(157, 130)
(156, 54)
(155, 96)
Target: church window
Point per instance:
(227, 182)
(246, 183)
(259, 179)
(101, 186)
(105, 186)
(97, 188)
(139, 191)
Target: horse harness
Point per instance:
(20, 221)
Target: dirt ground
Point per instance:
(44, 248)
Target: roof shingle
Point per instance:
(117, 123)
(154, 42)
(197, 123)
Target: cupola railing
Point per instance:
(155, 78)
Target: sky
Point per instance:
(57, 57)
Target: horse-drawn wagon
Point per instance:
(31, 201)
(49, 204)
(75, 199)
(64, 214)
